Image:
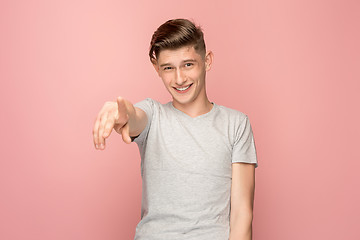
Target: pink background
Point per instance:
(292, 66)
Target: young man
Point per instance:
(198, 158)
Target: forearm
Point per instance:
(241, 227)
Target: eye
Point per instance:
(167, 68)
(188, 64)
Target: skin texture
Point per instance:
(121, 116)
(242, 201)
(179, 68)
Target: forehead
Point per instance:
(179, 54)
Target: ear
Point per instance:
(156, 66)
(208, 60)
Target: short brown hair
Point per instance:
(174, 34)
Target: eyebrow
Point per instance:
(165, 64)
(185, 61)
(189, 60)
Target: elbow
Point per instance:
(241, 218)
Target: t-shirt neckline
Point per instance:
(213, 109)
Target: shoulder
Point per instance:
(151, 106)
(155, 102)
(149, 102)
(232, 114)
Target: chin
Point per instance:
(183, 101)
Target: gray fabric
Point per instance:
(186, 170)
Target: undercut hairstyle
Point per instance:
(174, 34)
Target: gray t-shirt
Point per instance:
(186, 170)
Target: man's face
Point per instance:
(183, 72)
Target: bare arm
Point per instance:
(121, 116)
(242, 200)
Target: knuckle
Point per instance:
(116, 114)
(103, 119)
(108, 128)
(121, 120)
(125, 117)
(101, 130)
(108, 106)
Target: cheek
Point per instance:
(166, 80)
(196, 75)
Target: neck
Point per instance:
(196, 108)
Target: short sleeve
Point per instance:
(244, 149)
(147, 106)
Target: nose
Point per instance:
(180, 77)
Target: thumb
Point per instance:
(125, 134)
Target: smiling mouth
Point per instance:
(183, 89)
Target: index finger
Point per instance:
(122, 110)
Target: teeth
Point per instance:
(182, 89)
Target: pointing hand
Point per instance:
(113, 115)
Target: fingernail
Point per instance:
(96, 145)
(102, 145)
